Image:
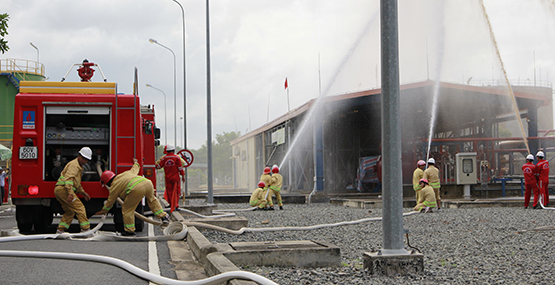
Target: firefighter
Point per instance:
(529, 171)
(432, 175)
(267, 179)
(416, 176)
(2, 186)
(276, 182)
(67, 188)
(131, 188)
(542, 176)
(427, 200)
(173, 167)
(257, 198)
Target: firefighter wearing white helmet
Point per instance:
(530, 182)
(276, 182)
(173, 167)
(542, 175)
(432, 175)
(416, 176)
(427, 200)
(67, 188)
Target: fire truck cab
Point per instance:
(52, 122)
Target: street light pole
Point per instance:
(209, 185)
(37, 51)
(184, 127)
(174, 97)
(165, 114)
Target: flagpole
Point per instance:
(288, 109)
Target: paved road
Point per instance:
(55, 271)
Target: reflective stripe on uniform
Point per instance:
(435, 184)
(64, 225)
(130, 225)
(63, 183)
(253, 203)
(159, 212)
(134, 183)
(84, 223)
(275, 188)
(430, 204)
(416, 187)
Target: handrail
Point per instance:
(13, 65)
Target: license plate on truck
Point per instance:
(28, 152)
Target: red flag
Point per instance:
(285, 82)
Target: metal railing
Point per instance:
(23, 66)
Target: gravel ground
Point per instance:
(460, 246)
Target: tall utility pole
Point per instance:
(210, 198)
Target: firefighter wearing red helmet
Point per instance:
(432, 175)
(416, 176)
(267, 179)
(173, 167)
(542, 174)
(427, 199)
(275, 185)
(257, 198)
(530, 182)
(67, 188)
(131, 188)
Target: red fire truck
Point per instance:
(53, 121)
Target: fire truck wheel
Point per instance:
(43, 219)
(139, 224)
(24, 218)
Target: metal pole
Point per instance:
(392, 191)
(184, 93)
(165, 114)
(174, 96)
(210, 199)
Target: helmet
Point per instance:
(275, 169)
(424, 180)
(261, 184)
(106, 177)
(86, 152)
(540, 154)
(169, 148)
(421, 162)
(267, 170)
(530, 157)
(431, 161)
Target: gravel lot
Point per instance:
(460, 246)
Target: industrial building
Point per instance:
(332, 144)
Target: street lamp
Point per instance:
(37, 56)
(174, 97)
(165, 114)
(184, 127)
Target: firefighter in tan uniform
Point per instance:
(131, 188)
(276, 182)
(257, 198)
(267, 179)
(67, 188)
(432, 175)
(427, 200)
(416, 176)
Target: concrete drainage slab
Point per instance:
(300, 253)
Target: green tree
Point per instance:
(221, 156)
(3, 32)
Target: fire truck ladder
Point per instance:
(118, 136)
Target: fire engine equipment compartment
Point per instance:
(68, 129)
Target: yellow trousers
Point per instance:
(131, 200)
(74, 208)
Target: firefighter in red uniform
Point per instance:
(171, 163)
(131, 188)
(542, 172)
(530, 182)
(67, 188)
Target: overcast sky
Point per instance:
(327, 45)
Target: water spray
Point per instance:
(515, 106)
